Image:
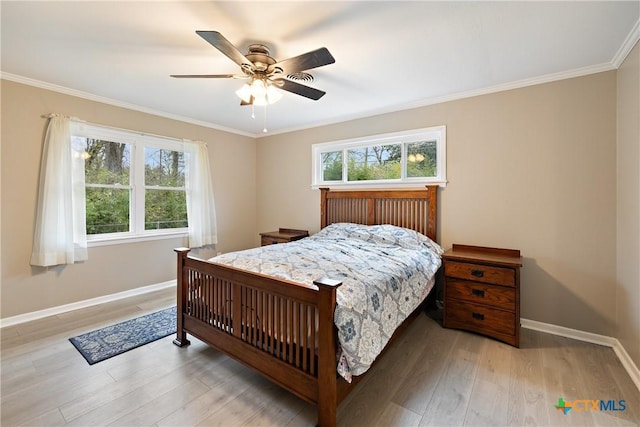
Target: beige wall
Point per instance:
(110, 269)
(532, 169)
(628, 241)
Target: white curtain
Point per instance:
(60, 234)
(201, 210)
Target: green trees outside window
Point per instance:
(165, 203)
(382, 162)
(107, 173)
(422, 159)
(332, 166)
(109, 187)
(374, 162)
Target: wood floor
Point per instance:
(431, 376)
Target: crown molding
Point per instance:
(97, 98)
(548, 78)
(627, 45)
(518, 84)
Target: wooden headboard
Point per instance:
(414, 209)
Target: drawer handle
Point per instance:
(478, 316)
(477, 273)
(478, 293)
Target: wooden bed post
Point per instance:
(327, 364)
(181, 286)
(323, 207)
(432, 229)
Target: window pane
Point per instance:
(374, 162)
(165, 209)
(107, 210)
(332, 166)
(106, 162)
(422, 159)
(163, 167)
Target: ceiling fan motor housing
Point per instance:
(259, 55)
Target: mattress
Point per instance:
(386, 273)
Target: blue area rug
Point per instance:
(107, 342)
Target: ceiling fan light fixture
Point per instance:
(258, 88)
(244, 93)
(260, 101)
(262, 92)
(273, 94)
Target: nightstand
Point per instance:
(283, 235)
(482, 291)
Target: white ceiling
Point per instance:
(389, 55)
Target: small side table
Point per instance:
(283, 235)
(482, 291)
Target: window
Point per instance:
(411, 157)
(165, 202)
(107, 185)
(134, 184)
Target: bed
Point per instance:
(285, 327)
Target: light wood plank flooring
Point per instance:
(431, 376)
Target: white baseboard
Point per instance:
(620, 351)
(21, 318)
(617, 347)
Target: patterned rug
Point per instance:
(104, 343)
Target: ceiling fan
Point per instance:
(264, 72)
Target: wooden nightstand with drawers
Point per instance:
(283, 235)
(482, 291)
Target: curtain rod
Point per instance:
(75, 119)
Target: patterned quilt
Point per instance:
(386, 272)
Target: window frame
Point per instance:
(404, 138)
(137, 142)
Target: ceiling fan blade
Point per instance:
(298, 89)
(306, 61)
(243, 102)
(205, 76)
(218, 41)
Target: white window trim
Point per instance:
(138, 142)
(121, 238)
(439, 133)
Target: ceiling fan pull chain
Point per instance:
(253, 111)
(265, 120)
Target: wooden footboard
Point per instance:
(282, 329)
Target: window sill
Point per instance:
(374, 185)
(124, 239)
